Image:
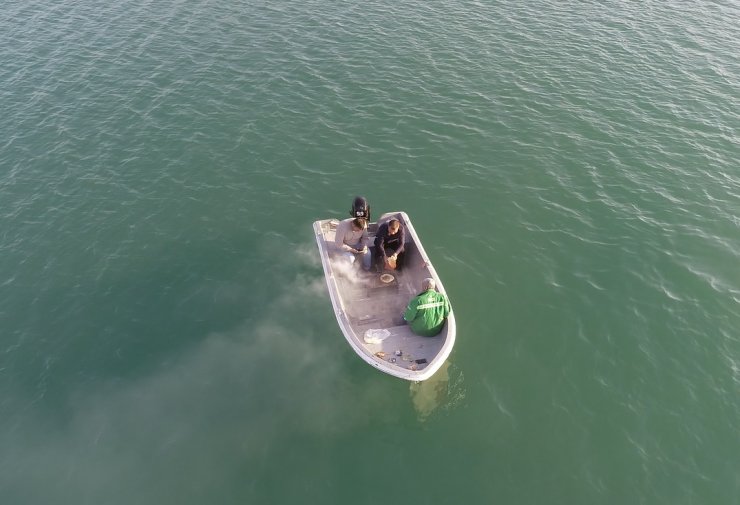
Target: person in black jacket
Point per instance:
(389, 244)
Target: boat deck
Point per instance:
(374, 305)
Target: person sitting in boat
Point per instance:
(389, 244)
(351, 241)
(426, 313)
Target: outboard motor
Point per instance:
(360, 208)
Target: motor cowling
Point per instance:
(360, 208)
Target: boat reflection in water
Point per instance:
(437, 392)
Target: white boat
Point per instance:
(369, 305)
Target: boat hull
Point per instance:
(369, 310)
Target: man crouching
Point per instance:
(426, 313)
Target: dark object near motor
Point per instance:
(360, 208)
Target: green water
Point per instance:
(166, 333)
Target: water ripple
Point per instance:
(572, 168)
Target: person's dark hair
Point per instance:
(360, 208)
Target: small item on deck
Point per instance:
(380, 354)
(392, 360)
(386, 278)
(399, 352)
(420, 361)
(374, 336)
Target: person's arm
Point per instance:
(401, 241)
(410, 313)
(380, 242)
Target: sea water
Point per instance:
(166, 332)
